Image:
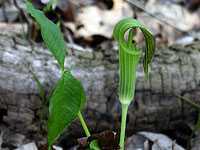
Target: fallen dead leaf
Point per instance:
(108, 140)
(175, 14)
(161, 141)
(94, 21)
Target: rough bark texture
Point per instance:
(174, 70)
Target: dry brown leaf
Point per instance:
(106, 139)
(70, 25)
(152, 141)
(161, 141)
(176, 15)
(95, 21)
(32, 146)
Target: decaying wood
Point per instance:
(174, 70)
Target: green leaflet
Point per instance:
(50, 33)
(197, 125)
(119, 31)
(64, 106)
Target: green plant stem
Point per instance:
(39, 125)
(123, 125)
(23, 30)
(197, 126)
(34, 36)
(84, 124)
(189, 101)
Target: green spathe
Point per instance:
(128, 64)
(119, 31)
(129, 58)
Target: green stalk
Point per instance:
(189, 101)
(123, 125)
(39, 125)
(196, 128)
(197, 125)
(84, 124)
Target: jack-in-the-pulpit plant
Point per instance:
(68, 96)
(129, 58)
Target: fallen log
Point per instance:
(174, 70)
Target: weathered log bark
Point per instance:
(174, 70)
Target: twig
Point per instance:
(21, 11)
(162, 18)
(25, 16)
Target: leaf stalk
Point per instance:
(87, 132)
